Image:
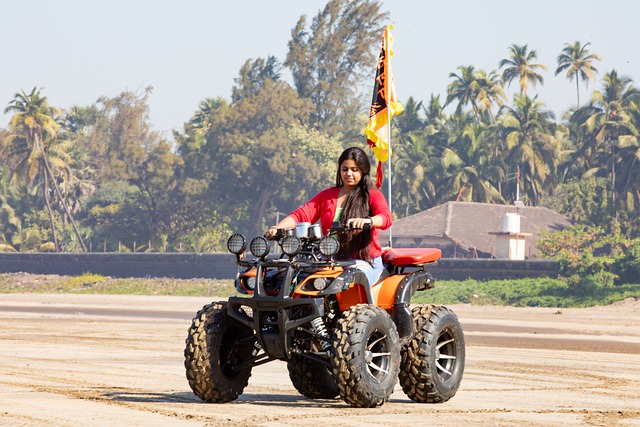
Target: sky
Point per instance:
(80, 50)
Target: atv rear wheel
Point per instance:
(312, 379)
(216, 346)
(433, 361)
(365, 356)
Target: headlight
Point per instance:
(250, 282)
(320, 283)
(259, 247)
(329, 246)
(291, 245)
(236, 244)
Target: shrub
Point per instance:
(627, 266)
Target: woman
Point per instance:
(355, 203)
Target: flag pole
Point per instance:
(384, 97)
(389, 170)
(388, 99)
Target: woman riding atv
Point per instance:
(355, 204)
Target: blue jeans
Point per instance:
(372, 271)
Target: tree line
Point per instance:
(98, 177)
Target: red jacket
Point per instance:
(323, 207)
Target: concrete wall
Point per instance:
(485, 269)
(222, 266)
(177, 265)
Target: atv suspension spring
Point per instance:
(320, 330)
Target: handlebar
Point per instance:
(339, 228)
(336, 227)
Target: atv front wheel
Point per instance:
(312, 379)
(365, 356)
(433, 361)
(217, 346)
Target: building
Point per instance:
(476, 230)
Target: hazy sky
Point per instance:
(79, 50)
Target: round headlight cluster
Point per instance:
(236, 244)
(291, 245)
(329, 246)
(320, 283)
(250, 282)
(259, 247)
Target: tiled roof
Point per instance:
(469, 224)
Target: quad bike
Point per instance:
(339, 334)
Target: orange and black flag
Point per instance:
(384, 106)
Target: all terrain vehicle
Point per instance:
(339, 334)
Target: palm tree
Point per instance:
(463, 89)
(519, 66)
(10, 221)
(412, 177)
(33, 126)
(410, 120)
(611, 124)
(531, 145)
(468, 175)
(576, 60)
(629, 172)
(477, 88)
(489, 91)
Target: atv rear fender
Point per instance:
(397, 260)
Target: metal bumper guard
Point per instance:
(274, 319)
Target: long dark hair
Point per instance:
(356, 206)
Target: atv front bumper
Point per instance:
(274, 320)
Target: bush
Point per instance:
(574, 291)
(627, 266)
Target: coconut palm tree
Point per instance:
(520, 66)
(33, 118)
(628, 182)
(611, 123)
(576, 60)
(531, 145)
(489, 91)
(10, 221)
(468, 175)
(410, 120)
(477, 88)
(33, 128)
(414, 160)
(463, 89)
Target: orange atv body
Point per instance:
(405, 274)
(383, 293)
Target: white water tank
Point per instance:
(511, 223)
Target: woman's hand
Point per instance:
(360, 222)
(271, 232)
(286, 223)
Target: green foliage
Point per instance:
(585, 202)
(330, 59)
(627, 266)
(206, 239)
(116, 216)
(540, 292)
(569, 244)
(592, 260)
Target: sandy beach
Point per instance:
(68, 360)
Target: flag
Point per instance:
(384, 106)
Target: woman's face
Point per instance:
(350, 173)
